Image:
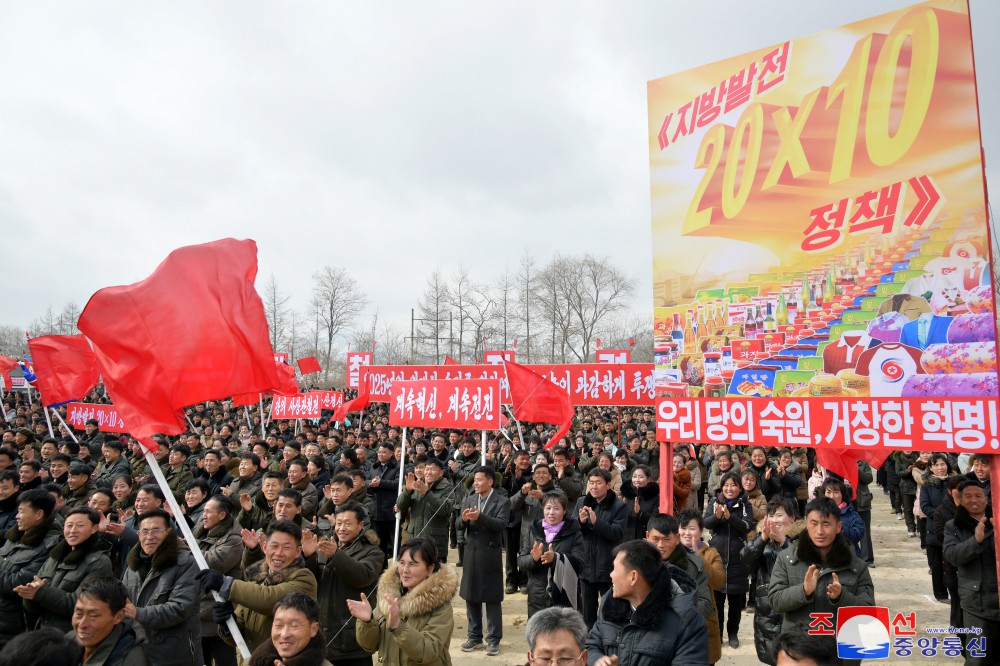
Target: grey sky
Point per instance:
(388, 138)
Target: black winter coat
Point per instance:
(759, 557)
(387, 490)
(932, 494)
(649, 506)
(482, 575)
(568, 542)
(729, 537)
(21, 557)
(601, 537)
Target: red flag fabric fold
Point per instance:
(309, 365)
(192, 331)
(287, 384)
(65, 366)
(535, 398)
(246, 399)
(6, 365)
(356, 405)
(844, 462)
(448, 360)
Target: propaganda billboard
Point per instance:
(820, 232)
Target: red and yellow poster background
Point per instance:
(818, 216)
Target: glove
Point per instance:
(211, 580)
(221, 611)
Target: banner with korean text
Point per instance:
(820, 228)
(624, 384)
(355, 360)
(78, 413)
(471, 404)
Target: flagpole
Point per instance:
(48, 421)
(399, 516)
(199, 558)
(68, 429)
(482, 461)
(263, 434)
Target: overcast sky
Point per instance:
(387, 138)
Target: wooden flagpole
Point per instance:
(154, 467)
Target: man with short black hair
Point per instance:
(22, 556)
(800, 649)
(113, 463)
(251, 601)
(383, 482)
(78, 488)
(10, 487)
(163, 592)
(824, 560)
(429, 501)
(602, 518)
(663, 531)
(100, 626)
(177, 473)
(30, 471)
(296, 636)
(298, 479)
(645, 618)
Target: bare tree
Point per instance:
(595, 289)
(12, 341)
(47, 324)
(525, 285)
(503, 303)
(460, 294)
(432, 310)
(550, 293)
(338, 301)
(278, 313)
(479, 306)
(619, 330)
(66, 323)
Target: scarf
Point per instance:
(552, 530)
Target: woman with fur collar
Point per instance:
(413, 620)
(776, 532)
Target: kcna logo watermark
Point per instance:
(863, 632)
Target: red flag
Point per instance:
(631, 342)
(598, 343)
(515, 343)
(844, 462)
(287, 384)
(66, 367)
(192, 331)
(6, 365)
(356, 405)
(246, 399)
(537, 399)
(309, 365)
(448, 360)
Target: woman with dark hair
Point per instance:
(730, 517)
(932, 495)
(776, 532)
(690, 528)
(412, 621)
(642, 497)
(552, 541)
(853, 526)
(124, 489)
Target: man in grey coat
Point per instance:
(484, 518)
(164, 593)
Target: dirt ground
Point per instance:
(902, 583)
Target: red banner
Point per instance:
(940, 424)
(472, 404)
(355, 360)
(627, 384)
(281, 357)
(301, 406)
(78, 413)
(613, 356)
(329, 399)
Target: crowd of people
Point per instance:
(297, 524)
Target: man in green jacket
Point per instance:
(252, 600)
(346, 567)
(821, 573)
(429, 501)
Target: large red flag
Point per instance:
(537, 399)
(192, 331)
(448, 360)
(65, 366)
(356, 405)
(246, 399)
(309, 365)
(287, 384)
(844, 462)
(6, 365)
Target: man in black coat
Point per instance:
(514, 480)
(602, 517)
(484, 517)
(940, 518)
(383, 482)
